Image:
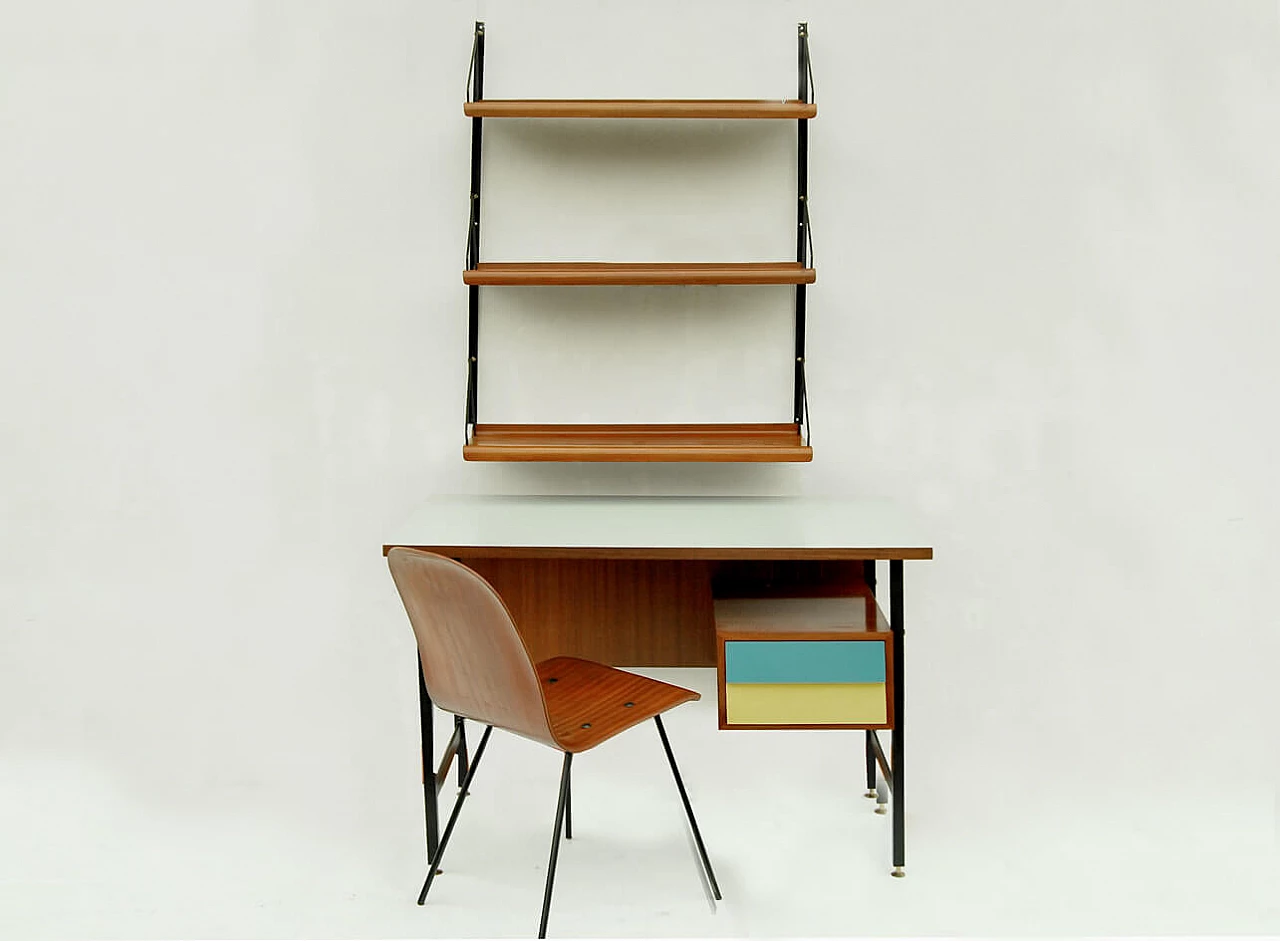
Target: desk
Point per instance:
(633, 581)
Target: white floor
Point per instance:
(797, 849)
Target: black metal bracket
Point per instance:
(804, 236)
(475, 92)
(457, 747)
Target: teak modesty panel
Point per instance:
(642, 612)
(625, 612)
(639, 108)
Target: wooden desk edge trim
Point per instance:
(633, 552)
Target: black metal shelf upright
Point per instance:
(803, 236)
(475, 92)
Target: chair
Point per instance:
(476, 665)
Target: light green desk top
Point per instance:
(663, 527)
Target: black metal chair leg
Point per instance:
(688, 809)
(568, 808)
(561, 807)
(453, 817)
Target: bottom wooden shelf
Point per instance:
(717, 442)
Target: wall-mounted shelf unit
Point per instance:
(724, 442)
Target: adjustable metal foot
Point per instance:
(899, 872)
(870, 794)
(882, 808)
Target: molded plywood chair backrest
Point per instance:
(474, 660)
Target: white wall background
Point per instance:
(232, 331)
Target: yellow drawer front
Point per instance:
(805, 703)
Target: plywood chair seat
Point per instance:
(589, 702)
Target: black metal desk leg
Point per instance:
(460, 726)
(898, 748)
(428, 767)
(869, 577)
(871, 766)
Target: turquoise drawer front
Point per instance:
(804, 661)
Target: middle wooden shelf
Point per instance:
(601, 272)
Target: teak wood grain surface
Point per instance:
(642, 612)
(473, 658)
(724, 108)
(736, 442)
(588, 703)
(605, 272)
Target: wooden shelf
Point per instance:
(619, 443)
(600, 272)
(639, 108)
(856, 614)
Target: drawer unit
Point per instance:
(803, 663)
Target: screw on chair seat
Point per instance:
(588, 702)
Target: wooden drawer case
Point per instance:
(804, 663)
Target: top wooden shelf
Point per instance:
(640, 108)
